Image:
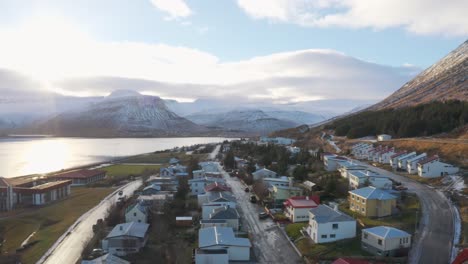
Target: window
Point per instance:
(332, 235)
(379, 241)
(324, 236)
(366, 235)
(335, 226)
(134, 214)
(362, 209)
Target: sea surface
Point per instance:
(24, 156)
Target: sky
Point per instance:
(280, 51)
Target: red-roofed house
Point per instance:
(81, 177)
(462, 257)
(394, 159)
(217, 187)
(297, 208)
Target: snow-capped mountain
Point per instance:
(122, 113)
(251, 121)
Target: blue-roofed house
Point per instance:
(216, 238)
(372, 202)
(385, 241)
(126, 239)
(329, 225)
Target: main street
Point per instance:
(269, 244)
(68, 248)
(433, 242)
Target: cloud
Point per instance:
(70, 62)
(175, 8)
(416, 16)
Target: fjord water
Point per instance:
(24, 156)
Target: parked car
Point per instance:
(253, 199)
(401, 188)
(120, 192)
(262, 215)
(247, 189)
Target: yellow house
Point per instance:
(372, 202)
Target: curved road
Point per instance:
(433, 242)
(68, 248)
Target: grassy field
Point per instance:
(49, 222)
(162, 157)
(123, 171)
(350, 247)
(294, 230)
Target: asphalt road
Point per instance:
(269, 244)
(68, 248)
(433, 242)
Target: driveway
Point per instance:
(68, 248)
(269, 244)
(433, 242)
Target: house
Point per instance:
(126, 239)
(360, 178)
(362, 151)
(158, 184)
(279, 194)
(81, 177)
(216, 238)
(217, 187)
(209, 166)
(31, 191)
(310, 186)
(106, 259)
(217, 200)
(331, 162)
(383, 137)
(156, 201)
(174, 161)
(198, 174)
(197, 185)
(136, 213)
(173, 171)
(433, 167)
(385, 156)
(394, 159)
(330, 225)
(184, 221)
(412, 164)
(228, 215)
(218, 256)
(372, 202)
(264, 173)
(385, 241)
(277, 140)
(404, 159)
(282, 181)
(297, 208)
(240, 163)
(344, 167)
(293, 150)
(204, 223)
(151, 189)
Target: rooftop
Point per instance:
(373, 193)
(398, 154)
(217, 187)
(133, 229)
(220, 236)
(386, 232)
(427, 160)
(362, 173)
(225, 213)
(325, 214)
(302, 201)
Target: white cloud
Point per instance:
(67, 60)
(417, 16)
(175, 8)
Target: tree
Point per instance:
(300, 173)
(183, 189)
(330, 185)
(251, 167)
(229, 161)
(193, 165)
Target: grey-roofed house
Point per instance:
(228, 214)
(372, 202)
(216, 238)
(136, 213)
(328, 225)
(385, 241)
(106, 259)
(126, 239)
(217, 200)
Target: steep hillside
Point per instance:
(445, 80)
(120, 114)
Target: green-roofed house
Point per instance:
(372, 202)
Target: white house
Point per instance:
(209, 166)
(362, 151)
(383, 137)
(385, 156)
(394, 159)
(216, 238)
(218, 256)
(331, 162)
(227, 214)
(358, 178)
(297, 208)
(404, 159)
(126, 239)
(281, 181)
(329, 225)
(345, 167)
(197, 185)
(217, 200)
(264, 173)
(136, 213)
(385, 241)
(432, 167)
(412, 164)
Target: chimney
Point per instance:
(290, 182)
(307, 197)
(335, 207)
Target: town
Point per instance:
(258, 200)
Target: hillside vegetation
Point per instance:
(422, 120)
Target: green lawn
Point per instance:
(162, 157)
(50, 222)
(350, 247)
(123, 171)
(294, 230)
